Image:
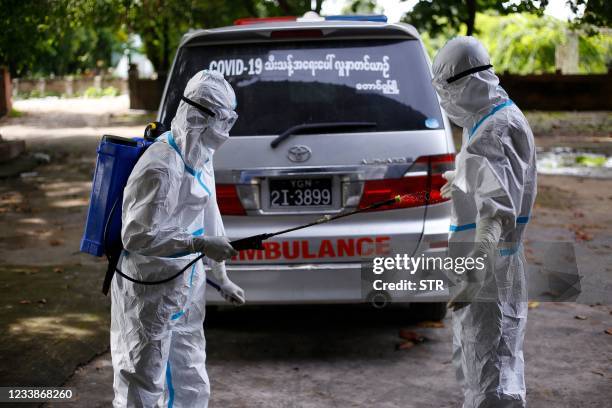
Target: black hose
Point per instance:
(143, 282)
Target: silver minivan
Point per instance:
(334, 114)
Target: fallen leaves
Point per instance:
(406, 345)
(580, 234)
(533, 304)
(580, 317)
(412, 336)
(609, 331)
(430, 324)
(56, 242)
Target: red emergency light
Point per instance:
(262, 20)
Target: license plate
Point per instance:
(315, 192)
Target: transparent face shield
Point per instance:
(222, 119)
(453, 97)
(444, 86)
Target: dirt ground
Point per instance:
(54, 320)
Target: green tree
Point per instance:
(20, 22)
(47, 36)
(597, 13)
(521, 43)
(524, 43)
(67, 36)
(162, 23)
(361, 7)
(449, 16)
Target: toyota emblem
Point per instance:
(299, 153)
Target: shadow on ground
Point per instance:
(51, 320)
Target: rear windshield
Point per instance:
(280, 85)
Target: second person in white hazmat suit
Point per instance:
(170, 215)
(493, 190)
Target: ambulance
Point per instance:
(334, 113)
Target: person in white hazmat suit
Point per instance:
(493, 189)
(170, 215)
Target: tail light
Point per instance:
(420, 185)
(228, 200)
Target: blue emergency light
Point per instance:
(377, 18)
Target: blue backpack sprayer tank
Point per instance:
(117, 156)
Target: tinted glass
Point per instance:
(280, 85)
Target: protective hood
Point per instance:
(465, 81)
(204, 117)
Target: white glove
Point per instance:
(488, 233)
(449, 176)
(215, 248)
(232, 292)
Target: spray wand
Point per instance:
(256, 241)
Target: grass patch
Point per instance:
(14, 113)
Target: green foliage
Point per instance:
(14, 113)
(19, 24)
(93, 92)
(360, 7)
(42, 37)
(595, 52)
(591, 160)
(525, 43)
(443, 17)
(521, 43)
(597, 13)
(162, 23)
(35, 93)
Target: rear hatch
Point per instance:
(359, 121)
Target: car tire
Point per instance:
(428, 311)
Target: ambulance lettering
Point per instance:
(325, 249)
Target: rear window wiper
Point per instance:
(323, 126)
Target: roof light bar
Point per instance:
(378, 18)
(257, 20)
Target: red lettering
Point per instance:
(287, 250)
(306, 254)
(272, 250)
(361, 242)
(326, 249)
(382, 245)
(346, 247)
(250, 254)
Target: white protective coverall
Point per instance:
(493, 190)
(169, 211)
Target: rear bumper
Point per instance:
(304, 282)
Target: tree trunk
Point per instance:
(471, 17)
(284, 6)
(166, 47)
(319, 5)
